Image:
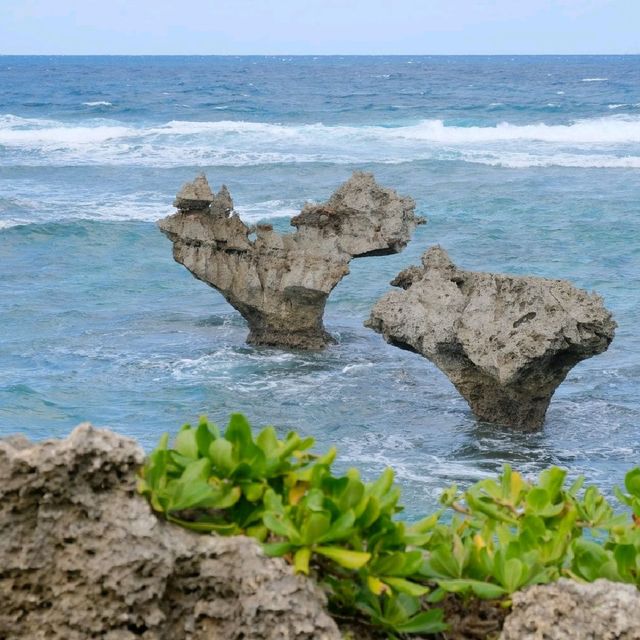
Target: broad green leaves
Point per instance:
(505, 534)
(337, 528)
(514, 533)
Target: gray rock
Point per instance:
(280, 282)
(195, 195)
(567, 610)
(505, 342)
(82, 556)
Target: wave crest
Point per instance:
(606, 141)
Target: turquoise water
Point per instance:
(527, 165)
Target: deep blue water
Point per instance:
(527, 165)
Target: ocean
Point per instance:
(526, 165)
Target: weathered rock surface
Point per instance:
(506, 342)
(567, 610)
(280, 282)
(82, 556)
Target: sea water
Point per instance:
(524, 165)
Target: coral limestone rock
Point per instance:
(567, 610)
(506, 342)
(280, 282)
(82, 556)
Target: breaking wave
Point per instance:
(597, 142)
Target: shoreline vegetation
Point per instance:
(495, 539)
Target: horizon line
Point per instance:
(313, 55)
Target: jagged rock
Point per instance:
(82, 556)
(506, 342)
(567, 610)
(194, 195)
(280, 282)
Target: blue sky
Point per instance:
(319, 26)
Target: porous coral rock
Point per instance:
(505, 342)
(82, 556)
(280, 282)
(568, 610)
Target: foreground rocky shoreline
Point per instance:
(83, 556)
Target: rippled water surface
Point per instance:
(525, 165)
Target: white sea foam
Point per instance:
(110, 207)
(268, 209)
(594, 79)
(98, 103)
(525, 160)
(607, 141)
(11, 222)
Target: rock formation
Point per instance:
(82, 556)
(280, 282)
(506, 342)
(567, 610)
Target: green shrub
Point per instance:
(503, 535)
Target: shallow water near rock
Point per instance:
(97, 322)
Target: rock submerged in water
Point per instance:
(83, 556)
(505, 342)
(280, 282)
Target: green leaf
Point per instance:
(197, 493)
(221, 454)
(282, 527)
(590, 559)
(400, 563)
(301, 560)
(552, 480)
(185, 443)
(443, 563)
(253, 491)
(277, 549)
(484, 590)
(370, 513)
(576, 486)
(488, 508)
(267, 440)
(204, 438)
(238, 431)
(381, 486)
(431, 621)
(626, 556)
(204, 526)
(314, 526)
(632, 482)
(514, 574)
(426, 524)
(291, 443)
(401, 585)
(351, 494)
(344, 557)
(538, 499)
(196, 470)
(154, 471)
(340, 529)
